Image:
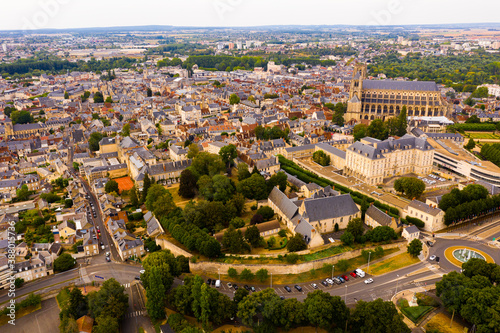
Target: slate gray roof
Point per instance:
(156, 169)
(400, 85)
(305, 229)
(381, 217)
(152, 225)
(376, 148)
(331, 150)
(412, 229)
(419, 205)
(286, 205)
(329, 207)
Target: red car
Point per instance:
(345, 277)
(353, 274)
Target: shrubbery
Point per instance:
(190, 235)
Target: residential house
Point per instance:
(374, 217)
(432, 216)
(410, 233)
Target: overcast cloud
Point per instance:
(29, 14)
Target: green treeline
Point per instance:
(37, 66)
(224, 63)
(491, 153)
(462, 72)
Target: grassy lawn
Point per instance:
(441, 323)
(320, 272)
(63, 298)
(391, 264)
(414, 313)
(179, 201)
(20, 313)
(476, 135)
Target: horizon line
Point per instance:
(160, 26)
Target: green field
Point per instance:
(476, 135)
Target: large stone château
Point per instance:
(383, 99)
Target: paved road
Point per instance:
(98, 221)
(123, 273)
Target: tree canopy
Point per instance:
(411, 187)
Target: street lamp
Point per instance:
(369, 255)
(333, 269)
(397, 283)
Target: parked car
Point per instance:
(353, 274)
(337, 281)
(252, 288)
(246, 287)
(324, 283)
(229, 285)
(341, 279)
(213, 282)
(370, 280)
(430, 243)
(437, 259)
(287, 288)
(235, 286)
(345, 277)
(209, 281)
(142, 271)
(282, 297)
(107, 259)
(360, 272)
(299, 288)
(314, 285)
(138, 278)
(330, 281)
(432, 257)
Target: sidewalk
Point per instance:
(383, 258)
(408, 295)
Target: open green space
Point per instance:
(475, 135)
(414, 313)
(393, 263)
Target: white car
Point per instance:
(432, 257)
(330, 281)
(142, 271)
(370, 280)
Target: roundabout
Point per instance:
(457, 255)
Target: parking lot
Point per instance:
(305, 287)
(432, 179)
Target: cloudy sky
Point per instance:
(37, 14)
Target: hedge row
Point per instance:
(309, 177)
(477, 127)
(413, 220)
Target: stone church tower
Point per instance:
(9, 128)
(354, 106)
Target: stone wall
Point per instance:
(167, 245)
(214, 267)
